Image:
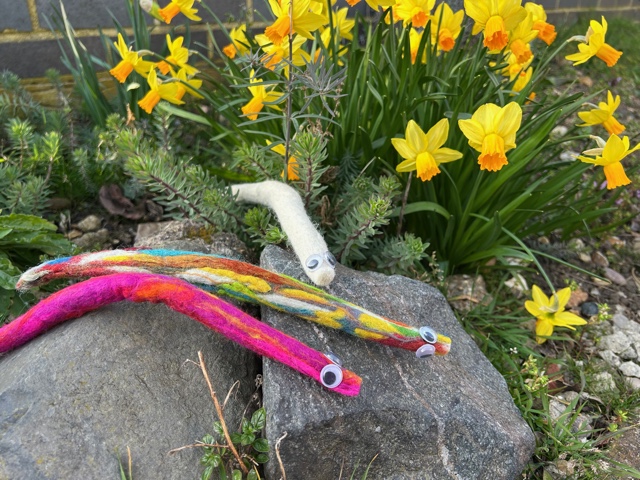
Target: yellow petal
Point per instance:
(508, 121)
(544, 328)
(437, 135)
(539, 297)
(563, 297)
(415, 137)
(444, 155)
(406, 166)
(616, 176)
(474, 132)
(403, 148)
(566, 319)
(533, 308)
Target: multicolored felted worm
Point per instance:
(222, 317)
(247, 282)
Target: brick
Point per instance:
(85, 13)
(16, 17)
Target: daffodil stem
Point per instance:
(404, 203)
(287, 131)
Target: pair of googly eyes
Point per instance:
(314, 261)
(430, 336)
(331, 375)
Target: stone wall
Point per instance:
(28, 47)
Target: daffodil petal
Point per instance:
(437, 135)
(544, 328)
(533, 308)
(444, 155)
(403, 148)
(406, 166)
(563, 297)
(415, 137)
(566, 319)
(539, 297)
(473, 131)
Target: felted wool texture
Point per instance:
(288, 207)
(218, 315)
(242, 281)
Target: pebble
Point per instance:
(544, 240)
(559, 131)
(617, 343)
(568, 156)
(630, 369)
(615, 242)
(91, 223)
(576, 244)
(599, 259)
(610, 357)
(517, 284)
(629, 354)
(578, 297)
(73, 234)
(594, 292)
(92, 239)
(615, 277)
(633, 382)
(589, 309)
(584, 257)
(603, 382)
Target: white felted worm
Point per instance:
(312, 251)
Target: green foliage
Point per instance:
(24, 239)
(252, 448)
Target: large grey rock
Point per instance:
(72, 400)
(446, 417)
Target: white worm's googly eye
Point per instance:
(330, 259)
(427, 350)
(331, 375)
(428, 334)
(314, 262)
(334, 358)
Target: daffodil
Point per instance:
(491, 130)
(342, 26)
(593, 44)
(275, 54)
(495, 18)
(374, 4)
(445, 27)
(603, 114)
(415, 12)
(306, 19)
(130, 61)
(522, 80)
(260, 97)
(170, 91)
(179, 6)
(423, 152)
(610, 155)
(189, 84)
(520, 37)
(177, 59)
(546, 32)
(292, 163)
(549, 312)
(514, 67)
(239, 43)
(415, 38)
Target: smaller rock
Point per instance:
(630, 369)
(465, 292)
(576, 244)
(633, 382)
(629, 354)
(589, 309)
(636, 245)
(617, 343)
(610, 357)
(594, 292)
(599, 259)
(578, 297)
(517, 284)
(558, 406)
(559, 131)
(544, 240)
(602, 382)
(92, 223)
(614, 242)
(584, 257)
(93, 239)
(621, 321)
(614, 276)
(568, 156)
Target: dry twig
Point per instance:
(282, 437)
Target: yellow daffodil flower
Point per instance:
(492, 132)
(546, 32)
(179, 6)
(190, 84)
(177, 59)
(306, 19)
(260, 96)
(603, 114)
(292, 164)
(520, 37)
(610, 157)
(513, 67)
(374, 4)
(342, 26)
(415, 37)
(495, 18)
(446, 27)
(275, 54)
(423, 152)
(549, 312)
(593, 44)
(522, 80)
(130, 61)
(415, 12)
(239, 43)
(170, 91)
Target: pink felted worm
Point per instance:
(80, 298)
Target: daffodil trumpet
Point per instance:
(246, 282)
(216, 314)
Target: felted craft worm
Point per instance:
(311, 249)
(246, 282)
(222, 317)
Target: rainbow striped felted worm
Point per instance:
(247, 282)
(220, 316)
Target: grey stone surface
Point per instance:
(72, 400)
(444, 417)
(15, 17)
(617, 342)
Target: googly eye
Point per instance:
(313, 262)
(330, 259)
(334, 358)
(427, 350)
(428, 334)
(331, 376)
